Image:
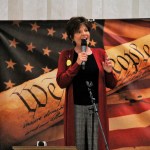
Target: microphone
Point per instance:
(41, 143)
(83, 47)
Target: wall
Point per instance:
(64, 9)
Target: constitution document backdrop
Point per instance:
(31, 102)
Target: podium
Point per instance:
(44, 148)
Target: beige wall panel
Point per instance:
(3, 9)
(34, 9)
(15, 9)
(117, 9)
(144, 9)
(61, 9)
(70, 8)
(65, 9)
(97, 9)
(84, 8)
(135, 8)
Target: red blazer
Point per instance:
(64, 78)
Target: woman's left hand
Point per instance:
(107, 64)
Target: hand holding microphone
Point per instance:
(82, 56)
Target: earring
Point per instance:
(74, 43)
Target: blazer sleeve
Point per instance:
(110, 80)
(65, 74)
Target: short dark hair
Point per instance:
(74, 23)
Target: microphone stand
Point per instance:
(89, 85)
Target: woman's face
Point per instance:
(82, 33)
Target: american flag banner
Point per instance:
(32, 104)
(127, 43)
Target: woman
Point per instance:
(80, 124)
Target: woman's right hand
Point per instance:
(82, 57)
